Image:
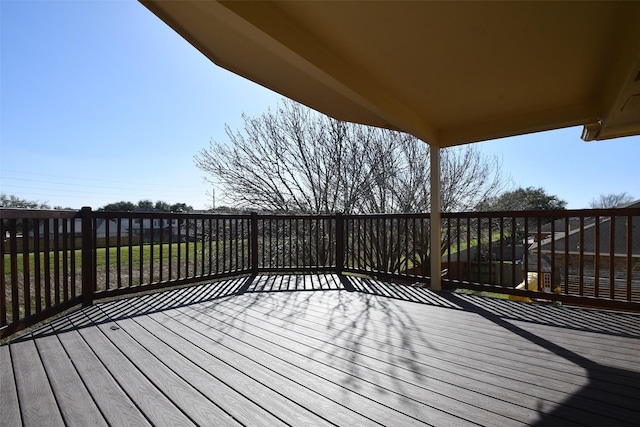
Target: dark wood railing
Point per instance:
(38, 277)
(387, 245)
(584, 257)
(55, 260)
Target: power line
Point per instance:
(163, 190)
(55, 191)
(81, 178)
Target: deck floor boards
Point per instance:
(114, 403)
(312, 350)
(38, 404)
(9, 403)
(74, 400)
(385, 357)
(263, 388)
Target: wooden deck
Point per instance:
(323, 350)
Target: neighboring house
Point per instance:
(560, 226)
(149, 228)
(605, 238)
(145, 227)
(76, 227)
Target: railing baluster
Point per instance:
(130, 232)
(554, 278)
(356, 223)
(47, 263)
(566, 256)
(415, 247)
(459, 273)
(224, 244)
(141, 251)
(13, 249)
(448, 227)
(629, 235)
(501, 251)
(597, 250)
(341, 228)
(184, 248)
(243, 267)
(304, 245)
(203, 247)
(195, 248)
(3, 281)
(26, 288)
(541, 274)
(218, 245)
(316, 222)
(65, 258)
(490, 250)
(514, 242)
(525, 259)
(469, 248)
(36, 268)
(179, 247)
(152, 242)
(362, 244)
(170, 248)
(119, 252)
(581, 257)
(405, 220)
(72, 258)
(478, 249)
(56, 259)
(161, 251)
(210, 244)
(612, 258)
(107, 250)
(254, 243)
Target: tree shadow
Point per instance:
(371, 342)
(620, 386)
(141, 305)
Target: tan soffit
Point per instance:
(448, 72)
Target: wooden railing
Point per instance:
(39, 266)
(55, 260)
(584, 257)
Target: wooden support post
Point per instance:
(339, 242)
(254, 243)
(435, 220)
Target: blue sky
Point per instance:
(100, 102)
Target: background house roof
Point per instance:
(623, 228)
(448, 72)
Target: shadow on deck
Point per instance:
(268, 350)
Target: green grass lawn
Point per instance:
(146, 253)
(60, 273)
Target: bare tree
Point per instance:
(606, 201)
(297, 160)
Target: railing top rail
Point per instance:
(160, 215)
(382, 215)
(295, 216)
(555, 213)
(13, 213)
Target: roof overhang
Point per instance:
(448, 72)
